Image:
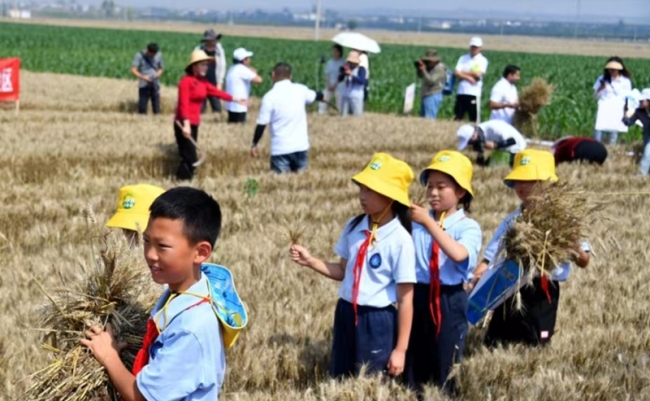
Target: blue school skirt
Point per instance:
(371, 342)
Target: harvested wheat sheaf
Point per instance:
(531, 100)
(551, 227)
(115, 289)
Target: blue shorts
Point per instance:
(371, 342)
(291, 162)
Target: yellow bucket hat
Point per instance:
(454, 164)
(387, 176)
(133, 206)
(532, 165)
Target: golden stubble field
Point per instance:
(63, 152)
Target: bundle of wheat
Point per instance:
(531, 100)
(116, 289)
(550, 228)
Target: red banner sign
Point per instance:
(9, 79)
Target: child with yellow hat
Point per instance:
(534, 323)
(447, 245)
(376, 270)
(132, 212)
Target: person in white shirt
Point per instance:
(283, 107)
(492, 135)
(238, 84)
(332, 71)
(470, 70)
(504, 99)
(614, 83)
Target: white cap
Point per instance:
(464, 135)
(241, 54)
(645, 94)
(476, 42)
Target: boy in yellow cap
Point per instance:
(132, 212)
(376, 269)
(447, 245)
(534, 324)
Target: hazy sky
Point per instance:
(615, 8)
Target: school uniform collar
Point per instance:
(180, 303)
(452, 219)
(383, 231)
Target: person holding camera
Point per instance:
(433, 74)
(148, 66)
(614, 83)
(470, 70)
(353, 78)
(332, 87)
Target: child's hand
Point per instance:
(103, 344)
(396, 363)
(300, 255)
(419, 214)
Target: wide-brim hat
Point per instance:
(431, 55)
(454, 164)
(133, 207)
(614, 65)
(354, 57)
(197, 56)
(387, 176)
(532, 165)
(210, 34)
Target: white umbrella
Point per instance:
(356, 41)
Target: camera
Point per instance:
(416, 63)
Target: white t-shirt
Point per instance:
(504, 92)
(332, 71)
(497, 131)
(389, 262)
(467, 63)
(283, 107)
(619, 87)
(238, 84)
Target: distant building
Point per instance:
(20, 14)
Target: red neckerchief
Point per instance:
(358, 268)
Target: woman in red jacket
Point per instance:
(193, 89)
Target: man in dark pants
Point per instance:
(216, 70)
(470, 70)
(148, 66)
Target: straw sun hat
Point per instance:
(196, 57)
(614, 65)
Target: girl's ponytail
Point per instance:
(404, 214)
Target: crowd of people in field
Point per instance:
(406, 271)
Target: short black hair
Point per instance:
(339, 48)
(510, 69)
(199, 212)
(282, 70)
(152, 47)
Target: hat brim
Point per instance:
(463, 142)
(432, 59)
(466, 185)
(515, 176)
(129, 221)
(191, 63)
(614, 65)
(382, 188)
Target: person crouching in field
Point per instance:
(182, 357)
(642, 114)
(133, 210)
(496, 135)
(193, 89)
(447, 245)
(578, 149)
(377, 270)
(534, 323)
(283, 107)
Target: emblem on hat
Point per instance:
(524, 161)
(375, 165)
(128, 202)
(444, 158)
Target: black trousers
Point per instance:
(533, 325)
(149, 92)
(430, 357)
(590, 151)
(236, 118)
(187, 151)
(465, 104)
(215, 104)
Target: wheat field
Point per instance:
(73, 144)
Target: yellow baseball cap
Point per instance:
(387, 176)
(532, 165)
(133, 206)
(454, 164)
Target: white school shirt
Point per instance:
(389, 262)
(283, 107)
(503, 92)
(497, 131)
(467, 63)
(560, 273)
(619, 87)
(238, 85)
(187, 361)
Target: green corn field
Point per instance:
(108, 53)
